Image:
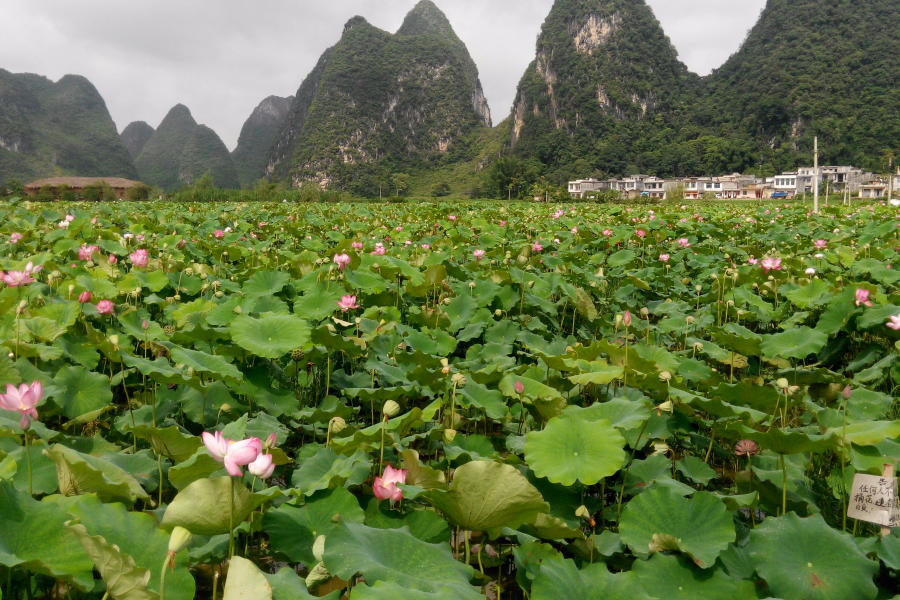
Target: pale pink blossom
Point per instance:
(379, 250)
(63, 225)
(219, 234)
(627, 318)
(452, 217)
(87, 252)
(664, 258)
(502, 223)
(862, 297)
(537, 247)
(895, 323)
(478, 254)
(771, 264)
(640, 233)
(347, 303)
(357, 245)
(139, 258)
(106, 307)
(385, 487)
(15, 237)
(17, 278)
(574, 230)
(341, 260)
(70, 218)
(684, 243)
(820, 244)
(607, 232)
(233, 454)
(23, 400)
(262, 467)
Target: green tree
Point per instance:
(205, 182)
(138, 193)
(400, 181)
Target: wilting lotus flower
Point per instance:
(106, 307)
(478, 254)
(684, 243)
(85, 297)
(219, 234)
(537, 247)
(341, 260)
(357, 245)
(385, 488)
(233, 454)
(86, 252)
(895, 323)
(626, 320)
(771, 264)
(262, 467)
(15, 237)
(862, 297)
(139, 258)
(347, 303)
(820, 244)
(746, 448)
(23, 400)
(664, 258)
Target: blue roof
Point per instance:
(780, 195)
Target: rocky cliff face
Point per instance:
(602, 68)
(135, 137)
(61, 128)
(180, 151)
(378, 102)
(257, 135)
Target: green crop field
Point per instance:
(446, 401)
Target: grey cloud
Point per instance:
(222, 58)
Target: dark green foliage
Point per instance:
(181, 151)
(257, 135)
(384, 102)
(138, 193)
(135, 137)
(53, 129)
(99, 191)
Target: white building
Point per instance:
(578, 189)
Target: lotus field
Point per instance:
(447, 401)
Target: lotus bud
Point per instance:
(498, 313)
(519, 387)
(390, 409)
(626, 319)
(783, 383)
(226, 408)
(449, 436)
(846, 393)
(337, 425)
(270, 442)
(145, 325)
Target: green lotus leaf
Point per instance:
(270, 336)
(661, 519)
(425, 525)
(215, 366)
(265, 283)
(81, 391)
(810, 296)
(573, 449)
(601, 373)
(488, 496)
(124, 579)
(287, 585)
(205, 506)
(43, 469)
(790, 442)
(384, 590)
(245, 582)
(199, 466)
(326, 470)
(395, 556)
(695, 469)
(170, 442)
(794, 343)
(620, 412)
(317, 304)
(33, 535)
(293, 531)
(869, 433)
(678, 578)
(533, 389)
(190, 315)
(561, 580)
(805, 559)
(136, 536)
(80, 474)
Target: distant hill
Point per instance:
(379, 103)
(257, 135)
(55, 129)
(135, 137)
(180, 151)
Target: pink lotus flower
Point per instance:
(820, 244)
(862, 297)
(219, 234)
(607, 232)
(357, 245)
(640, 233)
(771, 264)
(895, 323)
(398, 229)
(452, 217)
(262, 467)
(70, 218)
(664, 258)
(139, 258)
(347, 303)
(85, 297)
(106, 307)
(478, 254)
(17, 278)
(112, 259)
(62, 225)
(379, 250)
(23, 400)
(537, 247)
(426, 246)
(752, 261)
(502, 223)
(341, 260)
(15, 237)
(574, 230)
(87, 252)
(385, 487)
(233, 454)
(627, 318)
(684, 243)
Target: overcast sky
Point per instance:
(222, 57)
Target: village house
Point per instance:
(76, 185)
(578, 189)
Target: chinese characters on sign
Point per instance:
(874, 499)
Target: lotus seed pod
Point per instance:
(219, 294)
(449, 436)
(783, 383)
(204, 276)
(179, 539)
(169, 330)
(690, 320)
(337, 425)
(297, 355)
(177, 297)
(459, 379)
(238, 310)
(189, 272)
(686, 281)
(582, 512)
(170, 300)
(665, 376)
(645, 311)
(390, 408)
(71, 289)
(698, 346)
(698, 288)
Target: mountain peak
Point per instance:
(427, 18)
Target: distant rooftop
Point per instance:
(81, 182)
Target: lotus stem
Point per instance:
(784, 486)
(28, 461)
(628, 468)
(162, 578)
(231, 521)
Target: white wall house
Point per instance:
(578, 189)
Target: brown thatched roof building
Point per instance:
(77, 185)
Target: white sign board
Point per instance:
(874, 499)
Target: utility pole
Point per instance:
(816, 179)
